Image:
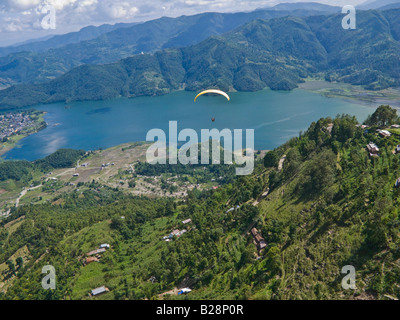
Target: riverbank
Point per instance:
(354, 94)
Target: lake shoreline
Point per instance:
(275, 117)
(12, 141)
(352, 93)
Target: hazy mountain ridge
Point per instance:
(55, 41)
(276, 53)
(28, 67)
(375, 4)
(307, 6)
(390, 6)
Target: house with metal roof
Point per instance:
(373, 149)
(259, 240)
(100, 290)
(384, 133)
(233, 208)
(181, 232)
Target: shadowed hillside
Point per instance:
(277, 53)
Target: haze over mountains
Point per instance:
(390, 6)
(276, 53)
(315, 6)
(378, 4)
(49, 59)
(39, 61)
(50, 42)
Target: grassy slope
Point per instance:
(352, 219)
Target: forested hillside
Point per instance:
(331, 205)
(277, 53)
(42, 61)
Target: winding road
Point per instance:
(23, 192)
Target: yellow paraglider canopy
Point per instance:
(212, 91)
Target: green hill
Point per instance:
(277, 53)
(43, 61)
(331, 205)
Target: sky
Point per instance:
(21, 20)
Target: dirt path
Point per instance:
(281, 161)
(255, 203)
(174, 291)
(23, 192)
(65, 172)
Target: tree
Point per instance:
(11, 266)
(169, 208)
(320, 172)
(292, 163)
(20, 262)
(344, 128)
(383, 116)
(132, 184)
(273, 259)
(271, 159)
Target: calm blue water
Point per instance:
(275, 116)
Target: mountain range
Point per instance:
(314, 6)
(51, 42)
(377, 4)
(46, 60)
(391, 6)
(276, 53)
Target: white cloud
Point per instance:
(13, 27)
(117, 9)
(61, 4)
(21, 4)
(75, 14)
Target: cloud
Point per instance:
(21, 4)
(117, 9)
(13, 27)
(75, 14)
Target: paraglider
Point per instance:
(212, 91)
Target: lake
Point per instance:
(276, 116)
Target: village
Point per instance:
(372, 148)
(177, 233)
(95, 256)
(14, 123)
(115, 167)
